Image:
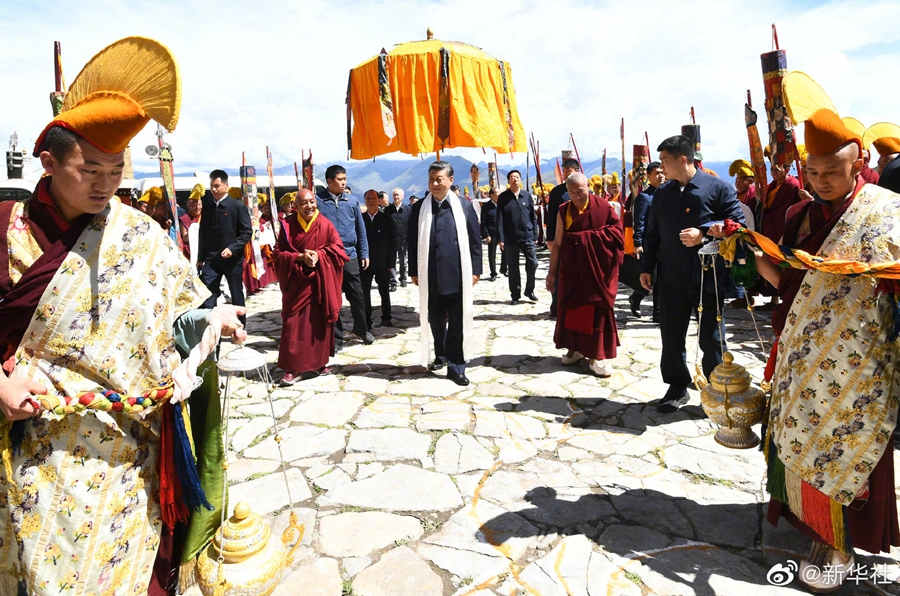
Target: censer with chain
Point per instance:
(728, 397)
(241, 560)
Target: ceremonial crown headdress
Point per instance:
(118, 91)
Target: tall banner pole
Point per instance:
(167, 173)
(273, 205)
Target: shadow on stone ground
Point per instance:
(685, 542)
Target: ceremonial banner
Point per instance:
(493, 179)
(273, 204)
(248, 192)
(757, 160)
(781, 131)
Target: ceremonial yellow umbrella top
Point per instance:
(428, 96)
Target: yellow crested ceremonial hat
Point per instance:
(801, 151)
(807, 102)
(614, 178)
(740, 168)
(885, 136)
(119, 90)
(262, 198)
(235, 192)
(197, 192)
(153, 196)
(287, 198)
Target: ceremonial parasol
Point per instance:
(428, 96)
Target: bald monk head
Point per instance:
(833, 175)
(577, 187)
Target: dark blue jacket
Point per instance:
(401, 220)
(346, 215)
(706, 200)
(516, 218)
(381, 235)
(444, 267)
(558, 196)
(489, 221)
(641, 206)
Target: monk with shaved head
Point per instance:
(584, 263)
(835, 395)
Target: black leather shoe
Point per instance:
(514, 301)
(392, 287)
(493, 277)
(635, 305)
(532, 296)
(461, 380)
(402, 283)
(387, 322)
(368, 338)
(438, 364)
(672, 400)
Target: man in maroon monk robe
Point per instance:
(309, 263)
(781, 194)
(585, 255)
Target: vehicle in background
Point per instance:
(17, 189)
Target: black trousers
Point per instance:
(512, 250)
(445, 316)
(676, 307)
(352, 288)
(382, 277)
(492, 255)
(212, 279)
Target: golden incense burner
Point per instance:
(241, 560)
(734, 404)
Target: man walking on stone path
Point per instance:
(445, 262)
(491, 234)
(400, 214)
(683, 210)
(382, 238)
(558, 197)
(518, 228)
(344, 211)
(585, 256)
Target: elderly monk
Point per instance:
(309, 263)
(585, 257)
(835, 394)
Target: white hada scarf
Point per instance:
(465, 261)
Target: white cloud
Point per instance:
(275, 73)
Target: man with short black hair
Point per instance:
(517, 226)
(345, 212)
(225, 229)
(642, 202)
(383, 200)
(682, 212)
(400, 214)
(445, 254)
(381, 235)
(490, 232)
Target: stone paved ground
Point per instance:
(536, 479)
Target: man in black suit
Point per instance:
(558, 196)
(517, 224)
(448, 292)
(382, 237)
(400, 214)
(224, 230)
(680, 216)
(343, 210)
(490, 232)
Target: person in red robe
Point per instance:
(191, 217)
(867, 173)
(309, 264)
(585, 257)
(781, 194)
(834, 164)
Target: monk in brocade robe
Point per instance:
(309, 263)
(831, 461)
(586, 254)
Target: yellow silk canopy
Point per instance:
(433, 95)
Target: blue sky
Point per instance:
(275, 73)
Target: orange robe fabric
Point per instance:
(310, 296)
(588, 275)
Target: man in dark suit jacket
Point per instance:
(558, 196)
(518, 227)
(400, 214)
(445, 280)
(382, 237)
(490, 233)
(224, 230)
(680, 216)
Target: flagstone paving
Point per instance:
(536, 479)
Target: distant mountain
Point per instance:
(412, 175)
